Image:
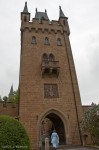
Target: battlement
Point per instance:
(41, 22)
(44, 26)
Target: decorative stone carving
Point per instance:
(50, 90)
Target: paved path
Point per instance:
(79, 148)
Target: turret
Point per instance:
(63, 20)
(25, 15)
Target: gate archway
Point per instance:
(49, 122)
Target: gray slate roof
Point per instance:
(25, 8)
(61, 14)
(41, 15)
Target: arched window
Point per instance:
(59, 42)
(51, 57)
(33, 40)
(44, 57)
(46, 42)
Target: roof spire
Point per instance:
(61, 14)
(25, 8)
(45, 11)
(11, 90)
(36, 9)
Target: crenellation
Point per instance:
(43, 30)
(55, 22)
(33, 29)
(40, 30)
(45, 26)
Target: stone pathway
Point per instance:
(78, 148)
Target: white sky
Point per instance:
(84, 38)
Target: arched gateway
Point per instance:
(49, 121)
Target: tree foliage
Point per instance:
(90, 123)
(5, 98)
(12, 134)
(0, 98)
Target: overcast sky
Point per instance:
(83, 18)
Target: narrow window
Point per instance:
(51, 57)
(59, 42)
(46, 42)
(33, 40)
(44, 57)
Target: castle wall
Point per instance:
(9, 109)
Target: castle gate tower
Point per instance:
(49, 93)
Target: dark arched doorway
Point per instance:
(51, 122)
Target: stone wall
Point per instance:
(9, 109)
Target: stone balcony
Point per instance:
(50, 68)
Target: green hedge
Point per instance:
(12, 134)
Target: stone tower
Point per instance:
(49, 93)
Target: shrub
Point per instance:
(12, 134)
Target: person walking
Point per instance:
(55, 139)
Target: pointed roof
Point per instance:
(25, 8)
(11, 90)
(61, 14)
(41, 15)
